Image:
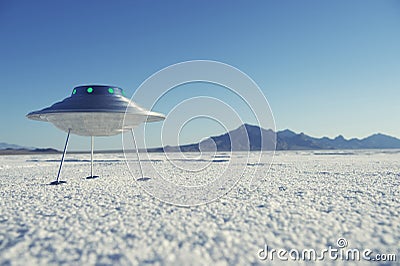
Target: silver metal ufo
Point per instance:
(94, 110)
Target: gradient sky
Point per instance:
(326, 67)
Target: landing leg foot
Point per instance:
(57, 182)
(92, 177)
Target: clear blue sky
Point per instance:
(326, 67)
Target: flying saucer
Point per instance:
(94, 110)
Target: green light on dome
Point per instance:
(90, 90)
(74, 91)
(123, 93)
(111, 90)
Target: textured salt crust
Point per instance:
(307, 201)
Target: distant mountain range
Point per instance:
(10, 149)
(250, 136)
(5, 146)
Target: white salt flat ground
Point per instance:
(308, 200)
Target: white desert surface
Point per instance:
(308, 199)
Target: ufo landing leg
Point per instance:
(57, 182)
(142, 178)
(91, 161)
